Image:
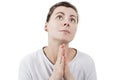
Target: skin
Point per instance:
(61, 30)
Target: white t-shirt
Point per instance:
(36, 66)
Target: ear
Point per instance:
(46, 27)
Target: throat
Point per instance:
(52, 57)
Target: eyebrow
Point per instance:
(73, 16)
(60, 13)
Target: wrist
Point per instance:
(69, 78)
(51, 78)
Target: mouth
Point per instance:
(65, 31)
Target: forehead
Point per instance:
(65, 10)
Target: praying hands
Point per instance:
(61, 69)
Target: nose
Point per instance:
(66, 24)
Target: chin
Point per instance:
(65, 40)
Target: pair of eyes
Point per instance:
(71, 19)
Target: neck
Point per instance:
(51, 51)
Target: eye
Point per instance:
(72, 20)
(59, 17)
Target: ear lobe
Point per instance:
(46, 27)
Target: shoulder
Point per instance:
(84, 56)
(84, 59)
(27, 64)
(88, 65)
(30, 58)
(87, 62)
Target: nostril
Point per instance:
(66, 24)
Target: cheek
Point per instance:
(74, 30)
(50, 26)
(54, 26)
(52, 29)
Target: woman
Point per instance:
(58, 61)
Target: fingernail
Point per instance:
(63, 45)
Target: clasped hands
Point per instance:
(61, 69)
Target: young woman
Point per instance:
(58, 61)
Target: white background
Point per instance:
(22, 32)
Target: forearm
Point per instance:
(55, 77)
(69, 78)
(51, 78)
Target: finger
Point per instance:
(59, 56)
(63, 62)
(63, 53)
(63, 50)
(59, 51)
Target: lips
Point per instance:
(66, 31)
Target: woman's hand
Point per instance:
(67, 73)
(58, 70)
(61, 68)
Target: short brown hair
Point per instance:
(64, 3)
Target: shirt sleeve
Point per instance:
(90, 71)
(24, 72)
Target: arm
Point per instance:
(24, 73)
(90, 71)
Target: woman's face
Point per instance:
(62, 24)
